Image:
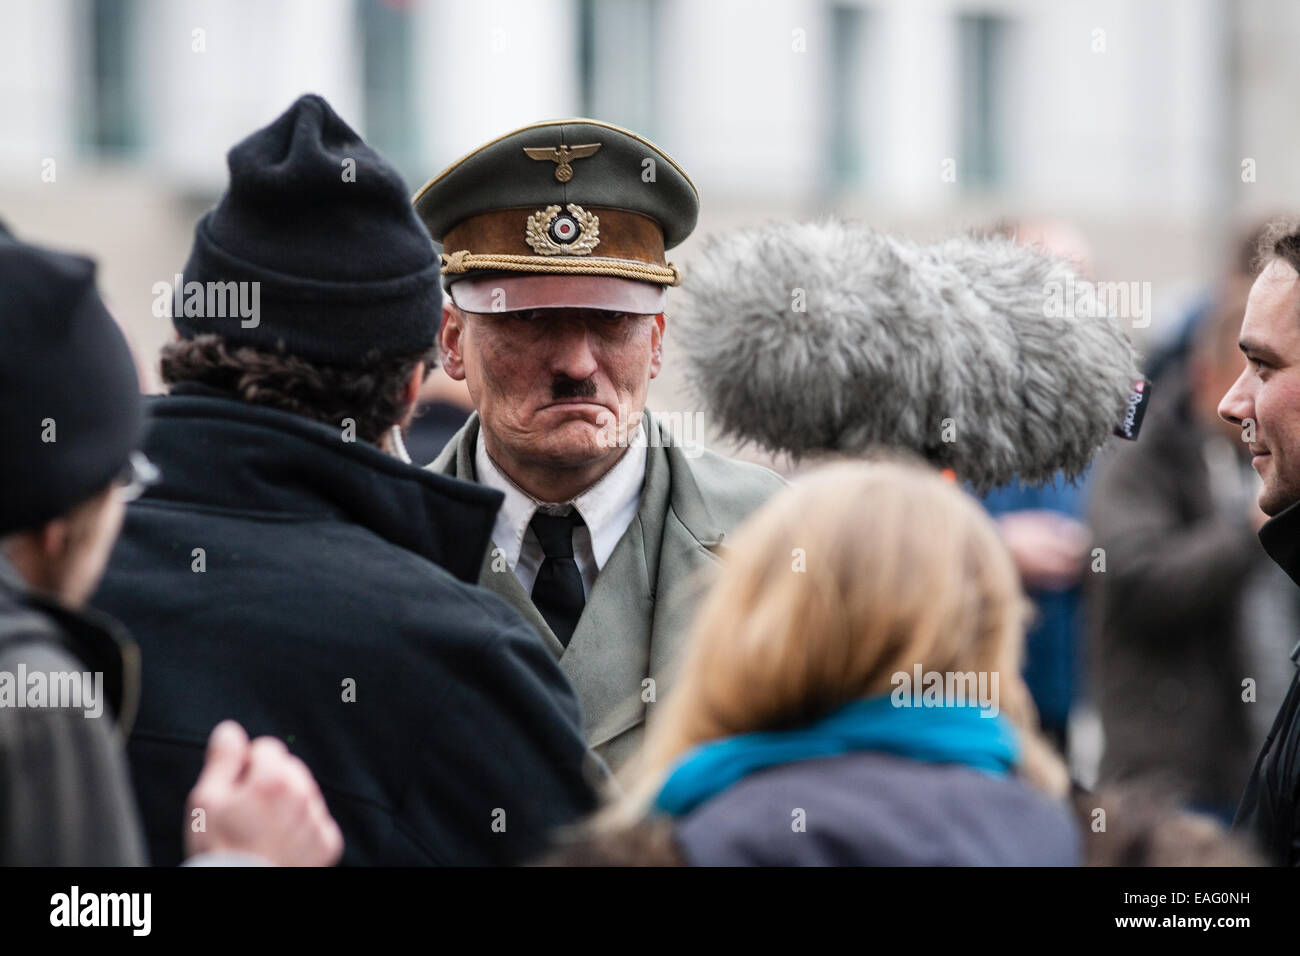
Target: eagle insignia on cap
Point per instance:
(562, 156)
(551, 232)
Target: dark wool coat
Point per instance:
(321, 591)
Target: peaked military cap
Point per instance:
(574, 198)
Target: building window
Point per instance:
(111, 118)
(387, 59)
(847, 97)
(982, 42)
(617, 44)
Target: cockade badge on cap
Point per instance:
(551, 233)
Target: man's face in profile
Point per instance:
(1265, 399)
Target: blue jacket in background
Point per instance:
(1054, 642)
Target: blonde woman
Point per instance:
(851, 695)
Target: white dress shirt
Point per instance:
(607, 508)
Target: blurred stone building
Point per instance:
(1153, 124)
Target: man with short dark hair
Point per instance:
(1174, 613)
(293, 570)
(1264, 403)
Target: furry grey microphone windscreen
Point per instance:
(832, 336)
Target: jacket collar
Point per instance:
(606, 507)
(1280, 536)
(689, 504)
(95, 639)
(11, 582)
(218, 452)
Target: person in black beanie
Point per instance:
(293, 568)
(318, 230)
(67, 674)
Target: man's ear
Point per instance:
(39, 553)
(657, 345)
(53, 538)
(449, 339)
(414, 384)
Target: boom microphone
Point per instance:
(832, 336)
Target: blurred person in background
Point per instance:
(796, 735)
(69, 677)
(1050, 548)
(441, 410)
(1185, 584)
(1263, 406)
(292, 570)
(1168, 351)
(1146, 826)
(1042, 527)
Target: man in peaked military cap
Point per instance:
(553, 258)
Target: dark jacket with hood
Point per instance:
(1269, 806)
(64, 795)
(321, 591)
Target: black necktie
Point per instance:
(557, 592)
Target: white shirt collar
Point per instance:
(607, 507)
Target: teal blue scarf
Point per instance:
(952, 734)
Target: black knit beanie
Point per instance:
(325, 226)
(70, 408)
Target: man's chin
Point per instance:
(1273, 501)
(572, 443)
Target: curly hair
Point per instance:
(371, 392)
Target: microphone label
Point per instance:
(1135, 410)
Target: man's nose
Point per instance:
(1236, 406)
(572, 354)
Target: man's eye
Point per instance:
(1258, 364)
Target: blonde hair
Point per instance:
(853, 574)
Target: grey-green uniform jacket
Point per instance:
(634, 626)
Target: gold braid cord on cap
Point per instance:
(463, 260)
(597, 241)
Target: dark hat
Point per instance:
(322, 224)
(70, 408)
(573, 197)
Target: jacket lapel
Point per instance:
(608, 657)
(689, 557)
(457, 460)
